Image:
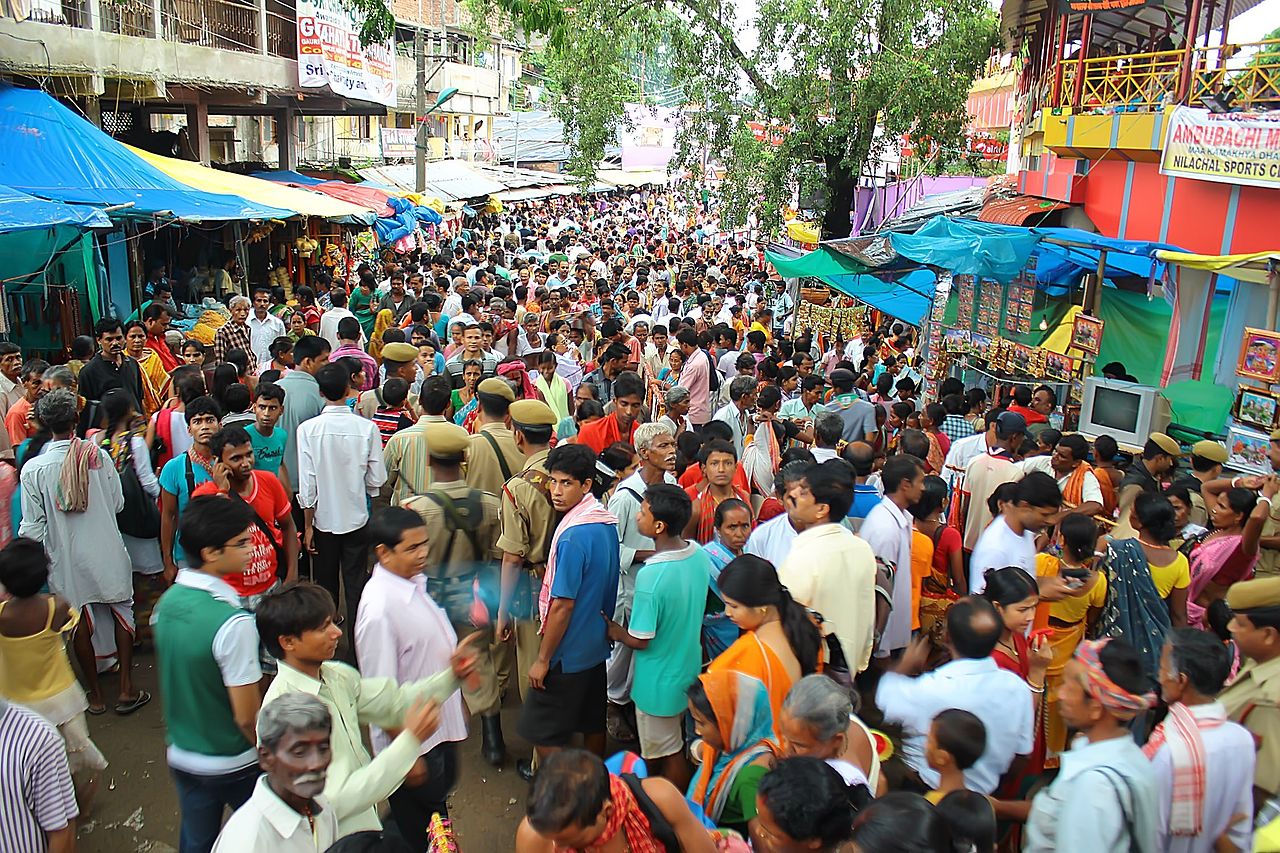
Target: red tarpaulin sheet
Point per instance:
(365, 196)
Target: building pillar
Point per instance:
(93, 111)
(93, 9)
(285, 134)
(198, 130)
(157, 20)
(261, 8)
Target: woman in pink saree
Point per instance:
(1229, 552)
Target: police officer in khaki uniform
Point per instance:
(462, 527)
(1207, 459)
(1253, 698)
(1269, 544)
(493, 458)
(527, 520)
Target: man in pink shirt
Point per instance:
(696, 376)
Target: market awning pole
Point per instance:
(1096, 302)
(1273, 297)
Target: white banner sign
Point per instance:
(330, 55)
(1237, 148)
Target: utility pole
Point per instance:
(515, 157)
(420, 112)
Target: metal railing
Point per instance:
(127, 18)
(70, 13)
(221, 24)
(1147, 81)
(282, 29)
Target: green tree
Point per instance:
(845, 79)
(1269, 56)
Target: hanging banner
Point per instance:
(1092, 7)
(1236, 148)
(330, 55)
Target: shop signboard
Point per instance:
(1235, 148)
(398, 142)
(330, 55)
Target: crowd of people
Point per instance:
(582, 456)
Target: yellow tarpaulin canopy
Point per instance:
(803, 232)
(270, 193)
(1240, 267)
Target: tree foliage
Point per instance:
(846, 79)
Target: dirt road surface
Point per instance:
(136, 810)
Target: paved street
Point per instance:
(136, 810)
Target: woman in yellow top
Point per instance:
(779, 642)
(1069, 618)
(1153, 519)
(34, 669)
(385, 320)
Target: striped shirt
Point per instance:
(955, 427)
(36, 796)
(408, 465)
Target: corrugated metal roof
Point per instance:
(1017, 210)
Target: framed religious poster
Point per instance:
(1255, 407)
(1086, 333)
(1260, 355)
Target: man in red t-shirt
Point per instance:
(620, 424)
(275, 537)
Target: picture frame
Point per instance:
(1260, 355)
(1086, 333)
(1256, 407)
(1247, 450)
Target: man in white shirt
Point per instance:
(264, 327)
(349, 449)
(1010, 539)
(965, 450)
(287, 813)
(971, 682)
(737, 412)
(1198, 742)
(1081, 492)
(988, 471)
(329, 319)
(887, 529)
(401, 633)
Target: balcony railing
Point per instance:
(1149, 81)
(221, 24)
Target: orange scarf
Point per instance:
(626, 818)
(1073, 491)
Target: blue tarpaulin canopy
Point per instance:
(288, 176)
(884, 270)
(52, 153)
(22, 212)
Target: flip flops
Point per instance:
(124, 709)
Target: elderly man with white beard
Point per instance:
(287, 813)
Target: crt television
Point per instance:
(1126, 411)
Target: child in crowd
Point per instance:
(956, 741)
(37, 673)
(268, 439)
(392, 414)
(235, 403)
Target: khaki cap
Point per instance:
(1275, 435)
(1210, 450)
(1254, 594)
(498, 388)
(445, 439)
(1167, 444)
(399, 352)
(532, 413)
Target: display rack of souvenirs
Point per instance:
(964, 301)
(827, 322)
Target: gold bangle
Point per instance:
(1035, 686)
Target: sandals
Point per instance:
(124, 709)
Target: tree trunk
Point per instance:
(840, 185)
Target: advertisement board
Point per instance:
(1235, 148)
(330, 55)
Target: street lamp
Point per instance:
(444, 96)
(420, 146)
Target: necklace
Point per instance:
(1142, 541)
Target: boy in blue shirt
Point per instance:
(567, 681)
(180, 476)
(268, 439)
(665, 629)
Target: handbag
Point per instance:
(837, 667)
(140, 517)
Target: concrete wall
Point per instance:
(88, 53)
